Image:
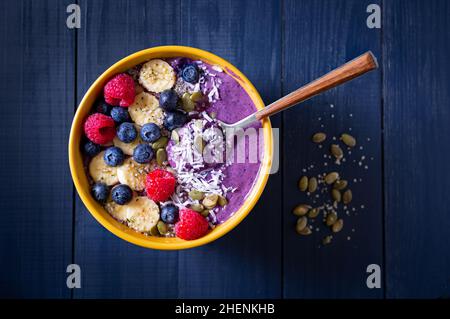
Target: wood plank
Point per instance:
(36, 87)
(245, 263)
(111, 267)
(417, 132)
(319, 36)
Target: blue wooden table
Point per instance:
(400, 113)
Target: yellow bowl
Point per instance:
(80, 179)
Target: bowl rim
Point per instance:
(98, 212)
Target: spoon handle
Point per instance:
(344, 73)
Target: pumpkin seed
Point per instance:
(348, 140)
(336, 195)
(337, 226)
(313, 213)
(347, 197)
(175, 137)
(199, 144)
(340, 184)
(303, 183)
(312, 184)
(196, 96)
(327, 240)
(196, 195)
(319, 137)
(301, 224)
(301, 210)
(188, 104)
(154, 231)
(197, 207)
(162, 228)
(305, 231)
(160, 143)
(161, 156)
(222, 201)
(205, 212)
(210, 201)
(331, 218)
(213, 115)
(336, 150)
(330, 178)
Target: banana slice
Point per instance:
(100, 172)
(157, 75)
(133, 174)
(145, 109)
(128, 148)
(142, 214)
(117, 211)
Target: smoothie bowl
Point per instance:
(149, 157)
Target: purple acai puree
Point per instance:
(231, 105)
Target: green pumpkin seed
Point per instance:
(154, 231)
(303, 183)
(162, 228)
(160, 143)
(210, 201)
(336, 195)
(340, 184)
(313, 213)
(161, 156)
(347, 197)
(196, 96)
(331, 218)
(199, 144)
(301, 224)
(197, 207)
(301, 210)
(327, 240)
(196, 195)
(222, 201)
(305, 231)
(337, 226)
(175, 137)
(312, 185)
(348, 140)
(319, 137)
(213, 115)
(330, 178)
(205, 212)
(336, 150)
(188, 104)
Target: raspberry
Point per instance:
(159, 185)
(99, 128)
(120, 90)
(191, 225)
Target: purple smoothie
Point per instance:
(233, 103)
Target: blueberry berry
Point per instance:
(150, 132)
(103, 107)
(175, 120)
(120, 114)
(91, 149)
(168, 100)
(121, 194)
(100, 192)
(190, 73)
(143, 153)
(113, 156)
(126, 132)
(169, 213)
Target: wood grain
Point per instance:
(417, 135)
(246, 263)
(113, 268)
(36, 86)
(318, 36)
(347, 72)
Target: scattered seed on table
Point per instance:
(340, 184)
(330, 178)
(312, 184)
(301, 224)
(313, 213)
(337, 226)
(301, 210)
(331, 218)
(303, 183)
(327, 240)
(306, 231)
(337, 152)
(348, 140)
(319, 137)
(347, 197)
(336, 195)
